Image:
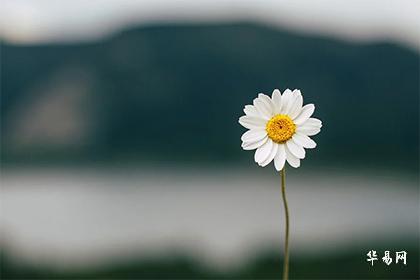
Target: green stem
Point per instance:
(286, 211)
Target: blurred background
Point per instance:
(120, 146)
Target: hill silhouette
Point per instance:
(175, 92)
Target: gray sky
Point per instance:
(33, 21)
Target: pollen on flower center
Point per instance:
(280, 128)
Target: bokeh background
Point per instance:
(120, 146)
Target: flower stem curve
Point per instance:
(286, 212)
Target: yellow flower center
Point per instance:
(280, 128)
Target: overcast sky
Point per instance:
(34, 21)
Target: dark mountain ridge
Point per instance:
(176, 92)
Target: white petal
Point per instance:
(251, 111)
(262, 108)
(303, 140)
(291, 159)
(305, 114)
(254, 145)
(296, 107)
(296, 149)
(309, 131)
(267, 100)
(312, 122)
(254, 135)
(311, 127)
(252, 122)
(297, 92)
(276, 99)
(280, 157)
(271, 156)
(263, 152)
(286, 98)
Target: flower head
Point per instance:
(279, 128)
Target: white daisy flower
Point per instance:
(279, 128)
